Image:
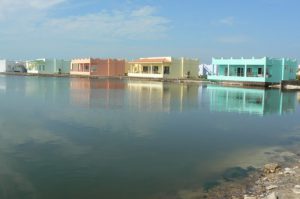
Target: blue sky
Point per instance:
(136, 28)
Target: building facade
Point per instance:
(98, 67)
(164, 67)
(12, 66)
(259, 71)
(48, 66)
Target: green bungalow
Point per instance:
(262, 71)
(48, 66)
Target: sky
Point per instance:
(130, 29)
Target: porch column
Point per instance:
(265, 70)
(228, 70)
(245, 71)
(162, 69)
(151, 69)
(213, 69)
(283, 69)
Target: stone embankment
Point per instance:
(290, 85)
(175, 80)
(278, 180)
(277, 183)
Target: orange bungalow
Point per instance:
(98, 67)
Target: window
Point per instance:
(240, 72)
(86, 67)
(166, 70)
(249, 72)
(155, 69)
(226, 71)
(43, 67)
(145, 69)
(260, 72)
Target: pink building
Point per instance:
(98, 67)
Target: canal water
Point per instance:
(116, 139)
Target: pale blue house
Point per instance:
(262, 71)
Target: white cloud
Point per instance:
(135, 24)
(229, 21)
(35, 30)
(17, 4)
(44, 4)
(144, 11)
(13, 8)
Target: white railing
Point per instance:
(145, 75)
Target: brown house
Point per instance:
(98, 67)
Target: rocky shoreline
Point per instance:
(278, 180)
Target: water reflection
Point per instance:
(95, 93)
(8, 87)
(135, 95)
(162, 97)
(99, 138)
(252, 101)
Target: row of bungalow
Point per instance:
(248, 71)
(152, 67)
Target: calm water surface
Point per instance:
(80, 138)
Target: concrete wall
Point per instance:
(175, 69)
(107, 67)
(99, 67)
(117, 67)
(2, 66)
(61, 66)
(181, 67)
(274, 67)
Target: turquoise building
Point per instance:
(262, 71)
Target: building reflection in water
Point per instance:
(96, 93)
(252, 101)
(162, 97)
(148, 96)
(133, 95)
(166, 97)
(2, 84)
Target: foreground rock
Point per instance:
(277, 180)
(271, 168)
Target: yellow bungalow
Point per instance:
(164, 67)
